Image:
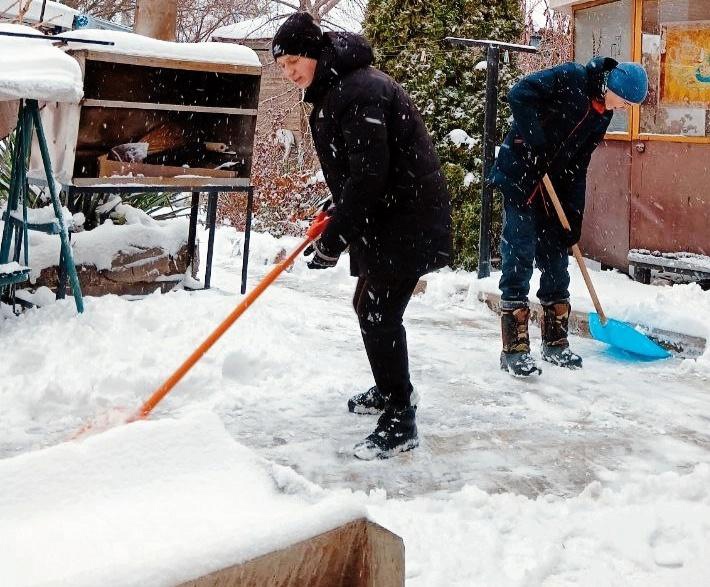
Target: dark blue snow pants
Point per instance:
(529, 237)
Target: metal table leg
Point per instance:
(192, 233)
(247, 236)
(212, 223)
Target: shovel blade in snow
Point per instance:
(626, 337)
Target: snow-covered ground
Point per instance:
(593, 477)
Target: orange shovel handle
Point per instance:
(314, 231)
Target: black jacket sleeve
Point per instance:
(528, 100)
(364, 129)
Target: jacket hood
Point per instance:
(342, 53)
(597, 72)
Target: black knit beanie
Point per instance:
(298, 35)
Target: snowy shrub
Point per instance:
(448, 89)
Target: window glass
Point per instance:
(675, 50)
(605, 31)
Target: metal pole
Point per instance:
(192, 232)
(489, 136)
(247, 235)
(489, 145)
(212, 223)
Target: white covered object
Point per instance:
(132, 44)
(51, 13)
(36, 69)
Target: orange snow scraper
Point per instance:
(314, 231)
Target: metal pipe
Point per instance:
(54, 38)
(489, 146)
(247, 236)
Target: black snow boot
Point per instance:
(555, 346)
(368, 402)
(373, 402)
(516, 357)
(396, 432)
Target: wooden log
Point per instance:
(137, 273)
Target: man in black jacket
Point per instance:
(560, 115)
(391, 206)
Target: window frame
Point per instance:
(634, 134)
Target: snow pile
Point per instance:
(43, 215)
(460, 138)
(98, 247)
(35, 69)
(132, 44)
(653, 533)
(152, 503)
(264, 249)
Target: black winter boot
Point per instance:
(555, 346)
(516, 357)
(396, 432)
(374, 402)
(368, 402)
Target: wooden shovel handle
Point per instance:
(575, 248)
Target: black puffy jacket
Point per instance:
(392, 205)
(555, 130)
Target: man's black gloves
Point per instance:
(321, 259)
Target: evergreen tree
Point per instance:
(448, 89)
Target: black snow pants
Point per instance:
(380, 304)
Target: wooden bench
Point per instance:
(696, 267)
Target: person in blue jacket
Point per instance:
(560, 115)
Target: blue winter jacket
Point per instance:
(555, 130)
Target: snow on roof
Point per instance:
(133, 44)
(150, 503)
(36, 69)
(345, 16)
(55, 14)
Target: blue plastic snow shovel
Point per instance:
(613, 332)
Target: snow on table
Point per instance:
(132, 44)
(35, 69)
(151, 503)
(42, 215)
(11, 267)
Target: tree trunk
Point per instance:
(156, 19)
